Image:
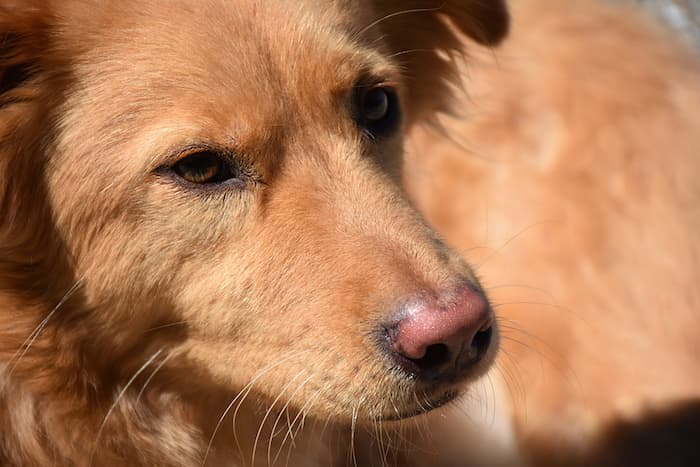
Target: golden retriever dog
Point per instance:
(213, 249)
(205, 255)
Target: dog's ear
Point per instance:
(424, 37)
(23, 32)
(485, 21)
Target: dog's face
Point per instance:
(222, 178)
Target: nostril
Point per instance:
(480, 344)
(436, 356)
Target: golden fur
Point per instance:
(146, 323)
(141, 317)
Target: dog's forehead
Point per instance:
(236, 50)
(144, 79)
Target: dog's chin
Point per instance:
(430, 397)
(424, 407)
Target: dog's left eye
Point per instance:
(377, 110)
(203, 168)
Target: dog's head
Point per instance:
(219, 181)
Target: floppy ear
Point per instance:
(424, 37)
(22, 43)
(485, 21)
(22, 34)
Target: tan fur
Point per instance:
(146, 324)
(141, 320)
(572, 184)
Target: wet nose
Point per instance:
(440, 338)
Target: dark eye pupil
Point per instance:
(376, 111)
(376, 105)
(201, 168)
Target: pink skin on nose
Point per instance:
(453, 324)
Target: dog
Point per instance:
(206, 257)
(213, 250)
(569, 181)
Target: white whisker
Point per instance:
(353, 427)
(245, 390)
(393, 15)
(116, 402)
(291, 433)
(150, 377)
(279, 417)
(267, 414)
(24, 348)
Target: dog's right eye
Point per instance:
(204, 167)
(377, 110)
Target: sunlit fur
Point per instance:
(143, 322)
(146, 324)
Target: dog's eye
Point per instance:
(377, 110)
(204, 167)
(375, 105)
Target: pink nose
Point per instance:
(442, 337)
